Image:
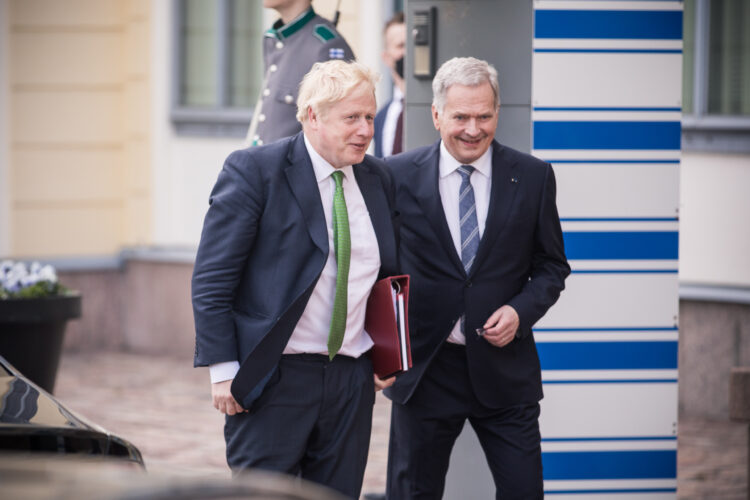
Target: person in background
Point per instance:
(296, 234)
(389, 120)
(295, 42)
(482, 242)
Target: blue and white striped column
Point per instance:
(606, 113)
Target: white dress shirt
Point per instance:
(449, 182)
(391, 118)
(310, 335)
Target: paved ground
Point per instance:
(163, 406)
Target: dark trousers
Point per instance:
(313, 420)
(424, 430)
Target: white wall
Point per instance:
(715, 219)
(184, 168)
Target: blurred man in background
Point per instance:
(389, 120)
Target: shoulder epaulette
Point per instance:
(324, 33)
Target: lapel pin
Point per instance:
(514, 180)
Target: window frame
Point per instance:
(702, 131)
(220, 121)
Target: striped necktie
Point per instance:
(342, 249)
(467, 213)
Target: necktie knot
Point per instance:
(338, 177)
(465, 171)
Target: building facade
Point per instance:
(116, 115)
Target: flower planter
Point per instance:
(31, 334)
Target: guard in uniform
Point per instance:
(289, 51)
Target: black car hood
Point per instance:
(32, 420)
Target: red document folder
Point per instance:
(386, 321)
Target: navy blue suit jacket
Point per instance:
(263, 247)
(520, 261)
(378, 124)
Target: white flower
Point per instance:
(47, 273)
(5, 266)
(14, 276)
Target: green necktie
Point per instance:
(342, 249)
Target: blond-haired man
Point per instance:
(295, 236)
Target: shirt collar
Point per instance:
(280, 30)
(397, 94)
(322, 168)
(448, 163)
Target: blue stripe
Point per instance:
(615, 381)
(595, 492)
(624, 271)
(591, 465)
(674, 162)
(608, 109)
(618, 438)
(606, 135)
(619, 219)
(616, 329)
(609, 24)
(613, 51)
(654, 355)
(626, 245)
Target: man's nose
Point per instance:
(366, 128)
(472, 127)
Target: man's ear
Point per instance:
(435, 118)
(312, 118)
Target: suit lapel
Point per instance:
(304, 186)
(424, 182)
(377, 205)
(505, 179)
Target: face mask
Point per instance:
(399, 67)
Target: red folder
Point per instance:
(386, 321)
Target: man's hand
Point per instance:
(500, 328)
(223, 400)
(381, 384)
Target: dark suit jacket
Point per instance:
(263, 247)
(378, 124)
(520, 262)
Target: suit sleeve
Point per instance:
(229, 231)
(549, 266)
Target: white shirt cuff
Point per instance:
(224, 371)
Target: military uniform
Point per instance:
(289, 51)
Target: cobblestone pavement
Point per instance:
(162, 405)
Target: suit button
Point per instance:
(468, 284)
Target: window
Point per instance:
(716, 76)
(219, 66)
